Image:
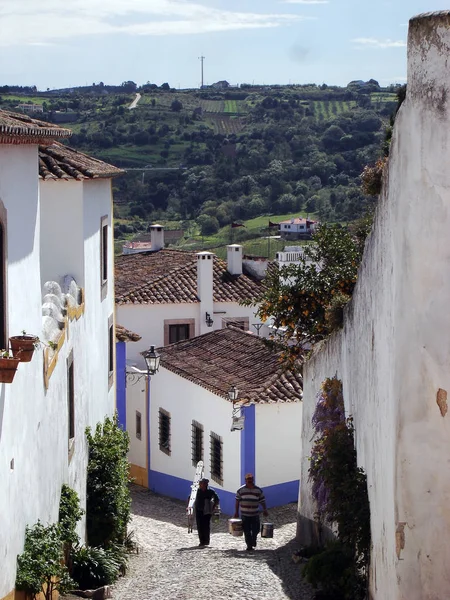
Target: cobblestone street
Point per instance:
(169, 564)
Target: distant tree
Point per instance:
(208, 225)
(165, 86)
(176, 106)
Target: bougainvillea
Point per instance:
(339, 486)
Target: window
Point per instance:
(216, 458)
(138, 425)
(178, 333)
(104, 256)
(110, 351)
(197, 442)
(177, 330)
(164, 431)
(70, 401)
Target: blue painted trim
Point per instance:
(248, 442)
(176, 487)
(121, 386)
(149, 464)
(282, 493)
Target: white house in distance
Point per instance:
(56, 267)
(297, 227)
(190, 416)
(170, 295)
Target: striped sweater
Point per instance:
(249, 500)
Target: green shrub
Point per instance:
(69, 515)
(108, 495)
(40, 567)
(94, 567)
(335, 572)
(334, 312)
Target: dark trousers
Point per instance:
(250, 526)
(203, 527)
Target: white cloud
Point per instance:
(374, 43)
(304, 1)
(29, 21)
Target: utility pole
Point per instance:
(201, 58)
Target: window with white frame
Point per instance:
(104, 250)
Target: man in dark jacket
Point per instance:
(206, 502)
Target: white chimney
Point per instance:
(234, 259)
(157, 237)
(205, 277)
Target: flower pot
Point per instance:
(23, 346)
(8, 368)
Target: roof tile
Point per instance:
(227, 357)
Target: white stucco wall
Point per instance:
(137, 401)
(34, 459)
(148, 321)
(277, 442)
(186, 401)
(393, 354)
(62, 228)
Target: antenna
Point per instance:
(201, 58)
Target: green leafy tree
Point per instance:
(40, 567)
(108, 495)
(298, 296)
(69, 515)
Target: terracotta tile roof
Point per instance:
(18, 128)
(297, 221)
(125, 335)
(62, 162)
(170, 276)
(227, 357)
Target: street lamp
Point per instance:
(209, 320)
(233, 393)
(152, 359)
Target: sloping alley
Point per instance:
(170, 565)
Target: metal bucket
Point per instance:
(235, 527)
(267, 530)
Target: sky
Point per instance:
(55, 44)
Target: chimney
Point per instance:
(157, 237)
(234, 259)
(205, 273)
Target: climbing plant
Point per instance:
(339, 488)
(108, 495)
(69, 515)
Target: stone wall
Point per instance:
(393, 354)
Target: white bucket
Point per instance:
(267, 530)
(235, 527)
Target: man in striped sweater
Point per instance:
(248, 499)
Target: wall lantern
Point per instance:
(237, 420)
(152, 359)
(209, 320)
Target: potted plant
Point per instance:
(23, 346)
(8, 366)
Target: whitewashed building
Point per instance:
(297, 227)
(56, 267)
(169, 295)
(190, 417)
